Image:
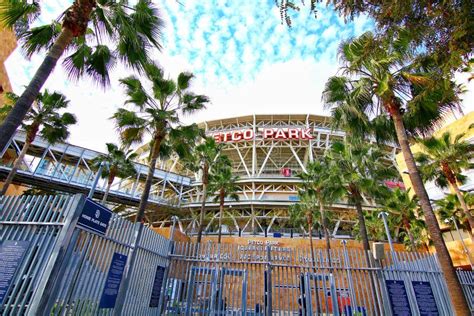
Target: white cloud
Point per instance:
(243, 58)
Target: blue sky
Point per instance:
(244, 59)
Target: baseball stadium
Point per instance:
(267, 154)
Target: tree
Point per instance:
(374, 227)
(222, 182)
(443, 160)
(449, 207)
(203, 159)
(443, 29)
(44, 119)
(304, 211)
(315, 183)
(118, 163)
(356, 172)
(402, 207)
(383, 86)
(96, 33)
(157, 115)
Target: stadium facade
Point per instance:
(267, 153)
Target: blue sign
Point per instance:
(424, 298)
(94, 217)
(397, 293)
(112, 283)
(156, 291)
(11, 255)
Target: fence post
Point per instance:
(45, 290)
(268, 294)
(347, 266)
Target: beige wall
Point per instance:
(8, 44)
(457, 127)
(295, 243)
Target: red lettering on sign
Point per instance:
(293, 133)
(248, 134)
(236, 135)
(267, 133)
(280, 134)
(217, 137)
(306, 134)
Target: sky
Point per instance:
(242, 57)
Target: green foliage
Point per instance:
(374, 226)
(156, 112)
(449, 207)
(357, 170)
(115, 31)
(384, 75)
(222, 180)
(45, 116)
(443, 29)
(456, 154)
(118, 162)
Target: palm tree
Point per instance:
(45, 119)
(384, 86)
(374, 227)
(222, 182)
(304, 210)
(449, 207)
(157, 115)
(96, 34)
(203, 159)
(402, 206)
(315, 181)
(356, 172)
(443, 159)
(118, 162)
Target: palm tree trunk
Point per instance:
(310, 232)
(313, 258)
(221, 211)
(458, 300)
(107, 190)
(362, 227)
(465, 209)
(16, 166)
(23, 105)
(203, 203)
(326, 233)
(149, 178)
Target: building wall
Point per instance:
(455, 128)
(8, 45)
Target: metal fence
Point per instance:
(54, 264)
(272, 280)
(467, 281)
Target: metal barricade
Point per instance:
(71, 269)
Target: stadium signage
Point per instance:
(265, 133)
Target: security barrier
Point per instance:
(67, 255)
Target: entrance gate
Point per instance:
(216, 292)
(318, 292)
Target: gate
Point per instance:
(260, 279)
(318, 294)
(201, 291)
(60, 265)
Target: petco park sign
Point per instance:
(265, 133)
